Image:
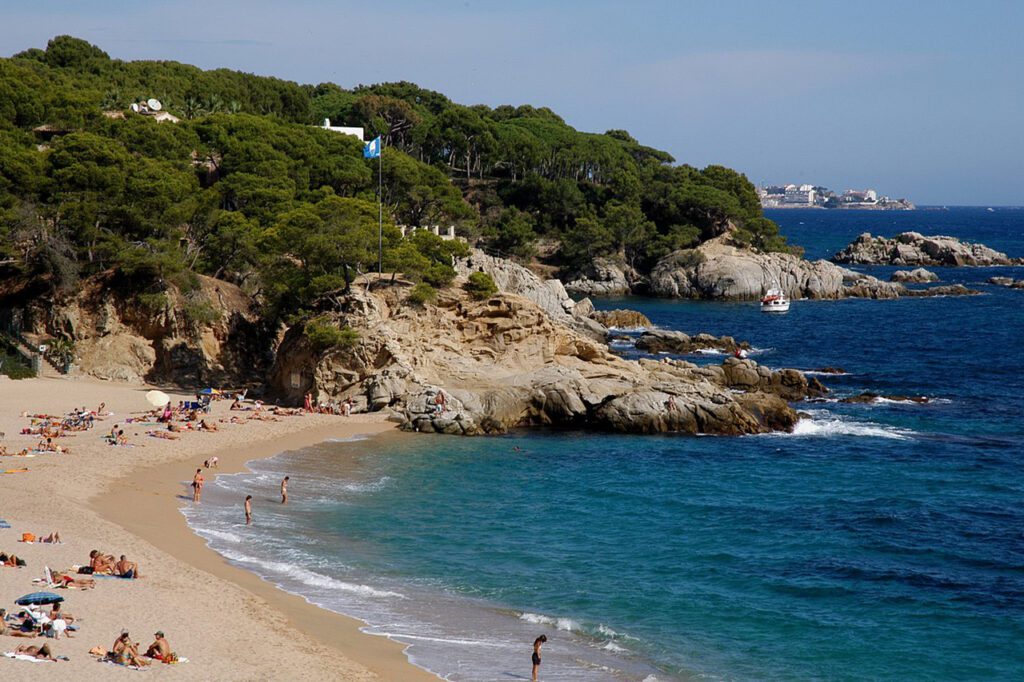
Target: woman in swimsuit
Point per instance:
(537, 643)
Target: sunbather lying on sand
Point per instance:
(43, 652)
(166, 435)
(203, 426)
(68, 580)
(52, 538)
(11, 560)
(14, 628)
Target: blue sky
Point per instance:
(917, 99)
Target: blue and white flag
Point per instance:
(371, 150)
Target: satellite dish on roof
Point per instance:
(135, 107)
(154, 104)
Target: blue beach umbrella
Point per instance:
(209, 391)
(39, 599)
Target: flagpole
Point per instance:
(380, 212)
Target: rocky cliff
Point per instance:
(210, 335)
(507, 362)
(914, 249)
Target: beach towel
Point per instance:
(4, 524)
(25, 657)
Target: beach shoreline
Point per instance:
(228, 621)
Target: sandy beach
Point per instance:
(229, 623)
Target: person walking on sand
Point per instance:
(537, 644)
(197, 485)
(284, 490)
(248, 510)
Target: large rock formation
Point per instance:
(621, 318)
(914, 248)
(603, 277)
(717, 269)
(666, 341)
(550, 295)
(210, 335)
(507, 362)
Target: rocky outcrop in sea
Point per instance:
(470, 367)
(915, 276)
(718, 269)
(914, 249)
(1008, 282)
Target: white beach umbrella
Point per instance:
(157, 398)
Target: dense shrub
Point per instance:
(480, 285)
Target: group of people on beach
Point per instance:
(105, 564)
(343, 408)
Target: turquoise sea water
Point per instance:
(877, 542)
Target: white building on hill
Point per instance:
(344, 130)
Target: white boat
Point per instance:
(774, 301)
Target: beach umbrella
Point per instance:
(157, 398)
(39, 599)
(209, 391)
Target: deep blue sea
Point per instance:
(879, 541)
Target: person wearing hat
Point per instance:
(160, 649)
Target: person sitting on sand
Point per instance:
(126, 569)
(102, 564)
(43, 652)
(57, 614)
(203, 426)
(126, 652)
(236, 404)
(160, 649)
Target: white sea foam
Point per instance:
(629, 330)
(350, 439)
(565, 624)
(365, 486)
(307, 577)
(816, 373)
(710, 351)
(209, 533)
(827, 428)
(614, 648)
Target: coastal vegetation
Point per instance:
(247, 189)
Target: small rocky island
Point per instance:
(718, 269)
(916, 249)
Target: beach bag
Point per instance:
(85, 570)
(28, 537)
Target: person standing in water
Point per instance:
(537, 644)
(284, 490)
(197, 485)
(248, 510)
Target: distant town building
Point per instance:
(344, 130)
(817, 196)
(802, 195)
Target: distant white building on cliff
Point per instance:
(344, 130)
(802, 195)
